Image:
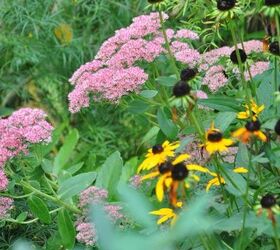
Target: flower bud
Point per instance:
(233, 56)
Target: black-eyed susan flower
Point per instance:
(274, 48)
(158, 154)
(234, 56)
(188, 74)
(251, 129)
(165, 215)
(181, 89)
(277, 127)
(218, 180)
(251, 110)
(268, 204)
(177, 176)
(215, 141)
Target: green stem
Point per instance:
(196, 124)
(16, 197)
(276, 236)
(171, 56)
(54, 199)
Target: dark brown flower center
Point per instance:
(234, 58)
(268, 201)
(188, 74)
(214, 136)
(155, 1)
(274, 48)
(225, 4)
(277, 127)
(253, 126)
(181, 88)
(179, 172)
(165, 167)
(272, 2)
(157, 149)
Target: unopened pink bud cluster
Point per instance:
(86, 232)
(114, 73)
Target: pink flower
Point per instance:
(257, 69)
(201, 95)
(24, 127)
(135, 181)
(86, 233)
(5, 206)
(188, 34)
(215, 78)
(3, 181)
(251, 46)
(91, 195)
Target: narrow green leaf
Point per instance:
(149, 93)
(168, 81)
(66, 229)
(75, 185)
(39, 208)
(22, 216)
(224, 119)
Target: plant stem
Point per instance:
(54, 199)
(196, 124)
(276, 236)
(171, 56)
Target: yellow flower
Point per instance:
(253, 108)
(63, 33)
(240, 170)
(165, 214)
(215, 141)
(251, 129)
(158, 154)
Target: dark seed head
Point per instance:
(268, 201)
(165, 167)
(277, 127)
(188, 74)
(271, 2)
(225, 4)
(225, 74)
(253, 126)
(274, 48)
(215, 136)
(233, 56)
(157, 149)
(181, 88)
(179, 172)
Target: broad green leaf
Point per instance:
(66, 229)
(242, 158)
(75, 185)
(75, 168)
(138, 107)
(22, 216)
(224, 119)
(168, 81)
(151, 134)
(110, 172)
(149, 93)
(39, 208)
(65, 151)
(47, 166)
(166, 125)
(222, 103)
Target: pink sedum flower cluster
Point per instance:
(114, 73)
(215, 78)
(24, 127)
(3, 181)
(5, 206)
(86, 232)
(256, 69)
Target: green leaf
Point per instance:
(166, 125)
(222, 103)
(75, 168)
(224, 119)
(149, 93)
(66, 229)
(110, 172)
(242, 158)
(39, 208)
(22, 216)
(66, 151)
(138, 107)
(168, 81)
(75, 185)
(151, 134)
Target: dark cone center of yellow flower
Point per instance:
(277, 127)
(274, 48)
(157, 149)
(253, 126)
(234, 58)
(268, 201)
(179, 172)
(165, 167)
(188, 74)
(155, 1)
(215, 136)
(225, 4)
(181, 88)
(272, 2)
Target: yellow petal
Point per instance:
(165, 218)
(238, 132)
(162, 211)
(210, 183)
(160, 187)
(180, 159)
(197, 168)
(240, 170)
(243, 115)
(261, 135)
(196, 178)
(227, 142)
(187, 185)
(150, 175)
